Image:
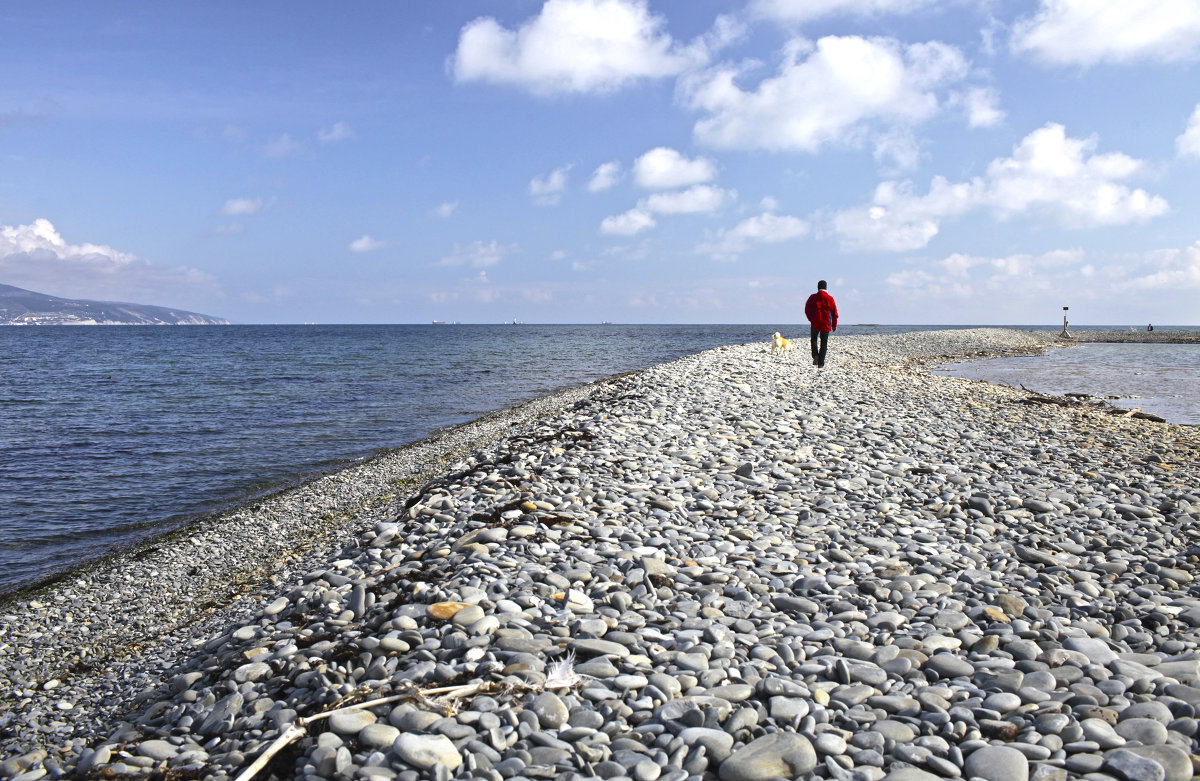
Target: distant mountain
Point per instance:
(24, 307)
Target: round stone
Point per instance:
(894, 730)
(1176, 762)
(947, 665)
(378, 736)
(912, 774)
(1131, 767)
(551, 711)
(158, 750)
(468, 615)
(717, 743)
(425, 751)
(1148, 732)
(997, 763)
(1003, 702)
(252, 672)
(778, 754)
(350, 722)
(276, 607)
(829, 743)
(785, 710)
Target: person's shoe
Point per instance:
(816, 364)
(821, 365)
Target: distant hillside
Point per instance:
(24, 307)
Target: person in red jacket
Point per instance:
(822, 315)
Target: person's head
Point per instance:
(821, 285)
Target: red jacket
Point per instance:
(821, 311)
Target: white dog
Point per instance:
(780, 345)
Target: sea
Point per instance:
(1161, 379)
(110, 435)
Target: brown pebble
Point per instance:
(996, 614)
(999, 730)
(1011, 604)
(444, 611)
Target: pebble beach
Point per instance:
(732, 566)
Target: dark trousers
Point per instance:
(818, 353)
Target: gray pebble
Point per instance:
(779, 754)
(997, 763)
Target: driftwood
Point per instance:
(560, 676)
(1082, 401)
(299, 728)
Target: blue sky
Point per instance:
(965, 161)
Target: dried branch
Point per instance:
(563, 676)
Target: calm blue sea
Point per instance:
(1161, 379)
(113, 434)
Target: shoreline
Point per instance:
(888, 367)
(440, 444)
(322, 507)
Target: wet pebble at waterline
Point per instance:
(727, 567)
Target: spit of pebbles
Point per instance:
(1136, 337)
(728, 567)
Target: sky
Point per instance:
(579, 161)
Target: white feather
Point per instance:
(561, 674)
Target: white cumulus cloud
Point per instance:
(1167, 271)
(899, 147)
(242, 207)
(663, 168)
(282, 145)
(477, 254)
(547, 190)
(37, 257)
(1137, 286)
(982, 107)
(766, 228)
(797, 11)
(1188, 144)
(365, 244)
(898, 220)
(1086, 32)
(42, 237)
(1049, 174)
(1059, 174)
(967, 278)
(835, 91)
(445, 209)
(574, 46)
(339, 131)
(605, 177)
(698, 199)
(630, 223)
